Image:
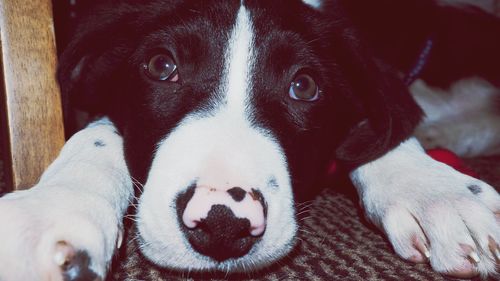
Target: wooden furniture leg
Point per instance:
(32, 106)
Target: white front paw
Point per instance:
(430, 212)
(47, 239)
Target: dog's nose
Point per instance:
(222, 223)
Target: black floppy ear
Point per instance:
(82, 77)
(389, 112)
(96, 52)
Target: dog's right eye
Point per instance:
(162, 67)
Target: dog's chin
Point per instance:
(165, 245)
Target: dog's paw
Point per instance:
(50, 239)
(455, 231)
(432, 213)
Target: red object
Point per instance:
(451, 159)
(439, 154)
(333, 168)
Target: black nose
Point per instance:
(221, 235)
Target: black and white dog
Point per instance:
(224, 113)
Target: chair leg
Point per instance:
(33, 113)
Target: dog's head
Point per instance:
(229, 111)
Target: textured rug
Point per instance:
(335, 243)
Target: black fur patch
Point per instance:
(99, 143)
(475, 189)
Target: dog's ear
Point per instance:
(86, 61)
(388, 113)
(99, 49)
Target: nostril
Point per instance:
(237, 193)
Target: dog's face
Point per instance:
(229, 111)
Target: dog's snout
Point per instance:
(222, 223)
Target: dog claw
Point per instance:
(471, 255)
(494, 248)
(474, 257)
(422, 249)
(497, 255)
(427, 254)
(119, 239)
(64, 252)
(74, 265)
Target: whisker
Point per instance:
(138, 185)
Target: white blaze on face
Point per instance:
(219, 149)
(239, 65)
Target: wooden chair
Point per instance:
(30, 101)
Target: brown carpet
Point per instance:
(336, 243)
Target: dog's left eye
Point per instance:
(304, 88)
(162, 67)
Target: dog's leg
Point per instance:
(68, 226)
(430, 212)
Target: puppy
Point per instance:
(224, 114)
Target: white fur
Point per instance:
(238, 66)
(409, 196)
(463, 119)
(221, 149)
(313, 3)
(80, 199)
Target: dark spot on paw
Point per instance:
(475, 189)
(77, 268)
(237, 193)
(99, 143)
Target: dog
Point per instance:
(223, 114)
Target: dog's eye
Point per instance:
(162, 67)
(304, 88)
